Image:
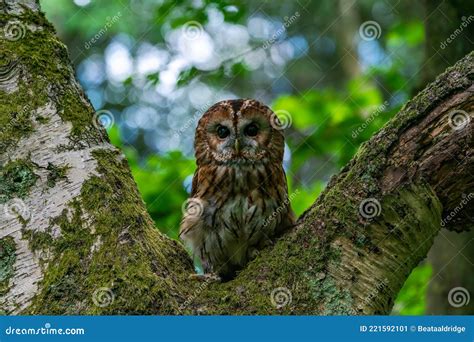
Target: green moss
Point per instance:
(38, 240)
(119, 254)
(43, 63)
(131, 228)
(42, 119)
(64, 275)
(16, 180)
(15, 119)
(72, 109)
(56, 173)
(7, 260)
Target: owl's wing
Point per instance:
(288, 219)
(194, 185)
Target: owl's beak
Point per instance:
(237, 146)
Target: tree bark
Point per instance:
(75, 237)
(449, 33)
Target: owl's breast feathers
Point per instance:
(219, 184)
(242, 208)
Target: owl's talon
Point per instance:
(206, 277)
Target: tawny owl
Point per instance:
(239, 200)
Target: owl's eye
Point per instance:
(251, 130)
(222, 131)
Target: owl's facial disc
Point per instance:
(238, 132)
(254, 135)
(239, 143)
(221, 137)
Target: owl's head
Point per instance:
(237, 132)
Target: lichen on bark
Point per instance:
(103, 238)
(341, 251)
(16, 179)
(115, 248)
(38, 65)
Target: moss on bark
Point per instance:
(7, 260)
(39, 65)
(108, 244)
(56, 173)
(332, 262)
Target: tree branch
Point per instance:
(84, 244)
(414, 176)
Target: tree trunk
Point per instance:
(349, 23)
(75, 237)
(449, 31)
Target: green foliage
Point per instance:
(160, 181)
(303, 197)
(411, 299)
(406, 33)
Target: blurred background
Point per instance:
(334, 71)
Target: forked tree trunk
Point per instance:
(75, 237)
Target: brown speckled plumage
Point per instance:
(239, 198)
